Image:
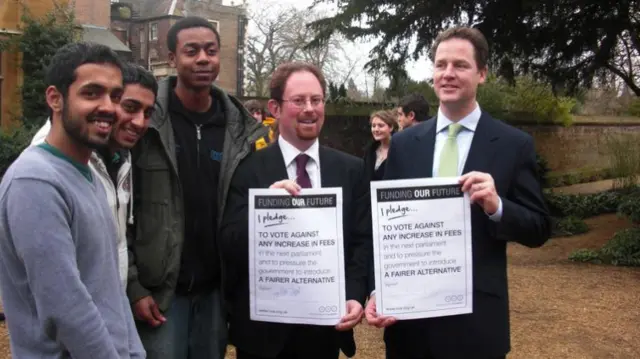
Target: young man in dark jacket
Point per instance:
(182, 170)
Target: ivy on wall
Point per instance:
(39, 40)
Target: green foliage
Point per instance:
(528, 100)
(582, 175)
(543, 170)
(337, 93)
(634, 108)
(568, 211)
(630, 206)
(583, 206)
(492, 96)
(12, 142)
(585, 256)
(623, 249)
(563, 109)
(545, 38)
(570, 226)
(624, 156)
(40, 39)
(531, 99)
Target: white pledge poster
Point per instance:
(422, 248)
(296, 256)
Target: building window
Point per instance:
(215, 23)
(153, 31)
(143, 44)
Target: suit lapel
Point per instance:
(483, 145)
(427, 143)
(329, 174)
(275, 165)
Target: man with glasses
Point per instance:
(296, 160)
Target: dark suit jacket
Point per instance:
(371, 174)
(507, 154)
(260, 170)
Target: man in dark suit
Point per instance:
(296, 161)
(497, 166)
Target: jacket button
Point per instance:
(166, 201)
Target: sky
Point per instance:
(418, 70)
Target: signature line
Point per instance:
(274, 224)
(396, 217)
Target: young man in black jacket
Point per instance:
(182, 170)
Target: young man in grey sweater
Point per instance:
(58, 258)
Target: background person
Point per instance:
(412, 109)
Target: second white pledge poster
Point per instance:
(422, 248)
(296, 256)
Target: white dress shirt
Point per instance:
(289, 153)
(465, 136)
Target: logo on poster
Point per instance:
(328, 309)
(454, 298)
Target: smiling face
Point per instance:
(300, 114)
(456, 75)
(88, 112)
(197, 57)
(380, 130)
(134, 115)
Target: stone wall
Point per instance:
(566, 149)
(578, 146)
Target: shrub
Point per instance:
(634, 108)
(583, 206)
(623, 249)
(492, 97)
(584, 175)
(630, 206)
(543, 170)
(12, 142)
(529, 100)
(624, 155)
(563, 109)
(586, 256)
(532, 100)
(569, 226)
(39, 40)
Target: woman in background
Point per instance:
(383, 125)
(261, 115)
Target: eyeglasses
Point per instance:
(301, 102)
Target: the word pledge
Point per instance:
(422, 248)
(296, 259)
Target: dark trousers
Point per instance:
(306, 342)
(195, 329)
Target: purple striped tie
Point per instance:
(301, 171)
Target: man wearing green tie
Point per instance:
(496, 165)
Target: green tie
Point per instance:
(449, 156)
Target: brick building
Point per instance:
(92, 18)
(143, 25)
(10, 74)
